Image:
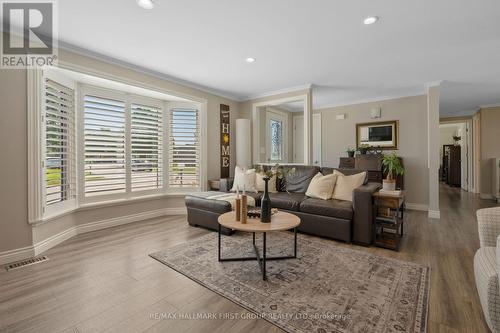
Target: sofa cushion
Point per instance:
(347, 172)
(334, 208)
(298, 181)
(346, 184)
(244, 179)
(321, 186)
(288, 201)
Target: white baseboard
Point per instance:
(54, 240)
(48, 243)
(416, 206)
(434, 214)
(486, 196)
(16, 255)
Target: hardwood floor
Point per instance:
(104, 281)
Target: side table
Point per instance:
(388, 220)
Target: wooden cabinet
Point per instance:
(372, 163)
(452, 165)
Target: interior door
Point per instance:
(298, 139)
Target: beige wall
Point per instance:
(490, 145)
(15, 232)
(338, 135)
(14, 229)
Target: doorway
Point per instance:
(456, 154)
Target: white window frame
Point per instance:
(36, 205)
(128, 99)
(169, 106)
(50, 210)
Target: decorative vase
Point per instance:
(350, 154)
(265, 204)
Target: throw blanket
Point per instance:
(231, 198)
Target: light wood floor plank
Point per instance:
(104, 281)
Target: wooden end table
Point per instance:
(389, 216)
(279, 222)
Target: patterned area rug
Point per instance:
(328, 288)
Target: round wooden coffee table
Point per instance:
(279, 222)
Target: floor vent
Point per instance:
(27, 262)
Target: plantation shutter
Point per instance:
(59, 142)
(146, 148)
(104, 135)
(184, 148)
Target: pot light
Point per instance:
(250, 60)
(370, 20)
(146, 4)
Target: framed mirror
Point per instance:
(381, 135)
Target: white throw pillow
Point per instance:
(321, 187)
(244, 179)
(260, 184)
(346, 184)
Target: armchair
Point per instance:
(487, 265)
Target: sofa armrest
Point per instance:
(488, 224)
(362, 204)
(226, 184)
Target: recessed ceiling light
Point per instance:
(370, 20)
(250, 60)
(146, 4)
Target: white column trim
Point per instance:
(35, 163)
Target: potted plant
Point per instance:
(363, 148)
(456, 138)
(350, 152)
(392, 165)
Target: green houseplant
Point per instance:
(392, 165)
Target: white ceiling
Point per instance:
(319, 42)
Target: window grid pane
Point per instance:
(183, 153)
(146, 148)
(59, 136)
(276, 140)
(104, 135)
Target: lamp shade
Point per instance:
(243, 143)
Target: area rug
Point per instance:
(328, 288)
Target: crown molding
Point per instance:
(489, 106)
(143, 70)
(278, 92)
(414, 93)
(434, 84)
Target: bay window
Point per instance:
(101, 144)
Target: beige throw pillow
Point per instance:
(244, 179)
(346, 184)
(260, 184)
(321, 187)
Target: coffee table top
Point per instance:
(279, 221)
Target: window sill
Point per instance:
(109, 203)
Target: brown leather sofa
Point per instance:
(337, 219)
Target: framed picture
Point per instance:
(381, 134)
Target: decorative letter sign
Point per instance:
(224, 141)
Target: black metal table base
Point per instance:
(261, 260)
